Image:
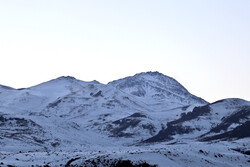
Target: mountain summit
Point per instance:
(155, 88)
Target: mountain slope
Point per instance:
(205, 121)
(4, 88)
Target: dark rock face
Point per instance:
(118, 127)
(166, 134)
(137, 115)
(54, 104)
(234, 118)
(99, 93)
(197, 111)
(239, 117)
(242, 150)
(20, 129)
(123, 125)
(100, 161)
(239, 132)
(175, 127)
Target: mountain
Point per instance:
(147, 118)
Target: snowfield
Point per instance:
(194, 154)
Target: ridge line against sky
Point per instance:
(204, 45)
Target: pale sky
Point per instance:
(204, 44)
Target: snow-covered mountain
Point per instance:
(146, 117)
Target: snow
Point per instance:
(178, 155)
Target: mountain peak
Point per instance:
(148, 78)
(153, 73)
(66, 78)
(156, 87)
(232, 102)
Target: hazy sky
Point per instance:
(204, 44)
